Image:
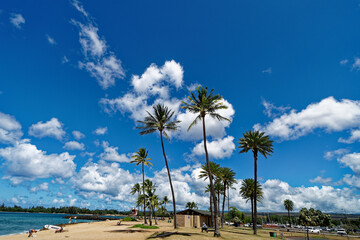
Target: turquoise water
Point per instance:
(14, 223)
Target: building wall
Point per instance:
(192, 220)
(180, 220)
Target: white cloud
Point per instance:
(74, 145)
(64, 60)
(52, 128)
(344, 61)
(108, 181)
(14, 200)
(24, 161)
(151, 81)
(50, 39)
(328, 114)
(268, 70)
(356, 64)
(218, 149)
(335, 154)
(56, 201)
(17, 20)
(352, 180)
(355, 136)
(321, 180)
(79, 7)
(111, 154)
(271, 110)
(10, 129)
(43, 186)
(351, 160)
(101, 131)
(78, 135)
(100, 62)
(72, 201)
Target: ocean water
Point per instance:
(15, 223)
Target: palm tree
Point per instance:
(140, 157)
(205, 103)
(247, 192)
(151, 198)
(219, 189)
(136, 189)
(191, 205)
(204, 173)
(160, 121)
(289, 206)
(165, 201)
(257, 142)
(227, 178)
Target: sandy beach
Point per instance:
(109, 230)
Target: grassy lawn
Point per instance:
(236, 233)
(144, 226)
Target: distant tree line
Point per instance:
(66, 210)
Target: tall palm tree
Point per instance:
(165, 201)
(206, 103)
(207, 190)
(161, 121)
(204, 173)
(257, 142)
(151, 198)
(140, 157)
(247, 192)
(227, 178)
(219, 189)
(136, 189)
(289, 206)
(191, 205)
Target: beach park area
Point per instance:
(109, 230)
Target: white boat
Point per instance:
(52, 227)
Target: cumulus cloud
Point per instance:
(107, 181)
(268, 70)
(50, 39)
(344, 61)
(10, 129)
(99, 61)
(354, 136)
(74, 145)
(17, 20)
(111, 154)
(101, 130)
(78, 135)
(58, 201)
(52, 128)
(352, 180)
(24, 161)
(218, 149)
(43, 186)
(335, 154)
(321, 180)
(351, 160)
(328, 114)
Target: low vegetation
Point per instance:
(144, 226)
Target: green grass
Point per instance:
(144, 226)
(128, 219)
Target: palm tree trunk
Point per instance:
(155, 216)
(145, 222)
(228, 199)
(223, 207)
(289, 217)
(171, 186)
(217, 231)
(150, 220)
(255, 192)
(211, 209)
(252, 211)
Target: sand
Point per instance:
(108, 230)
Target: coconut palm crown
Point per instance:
(289, 206)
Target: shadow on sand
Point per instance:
(168, 234)
(128, 231)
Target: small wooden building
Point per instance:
(193, 218)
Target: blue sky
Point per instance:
(76, 76)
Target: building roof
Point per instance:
(194, 212)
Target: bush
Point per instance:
(144, 226)
(129, 219)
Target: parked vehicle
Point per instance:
(341, 232)
(315, 230)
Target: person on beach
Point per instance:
(204, 227)
(69, 220)
(59, 230)
(31, 231)
(75, 219)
